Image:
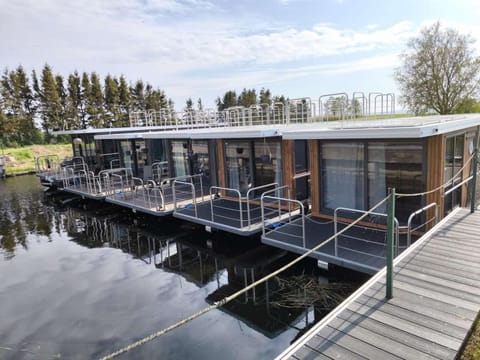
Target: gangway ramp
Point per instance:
(436, 299)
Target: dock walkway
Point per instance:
(436, 298)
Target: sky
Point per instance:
(203, 48)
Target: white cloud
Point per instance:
(173, 43)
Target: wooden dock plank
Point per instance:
(472, 299)
(433, 302)
(451, 284)
(436, 298)
(444, 271)
(450, 299)
(362, 341)
(331, 349)
(410, 346)
(415, 328)
(450, 254)
(307, 353)
(446, 258)
(427, 320)
(421, 305)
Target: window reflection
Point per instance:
(358, 175)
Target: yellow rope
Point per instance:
(240, 292)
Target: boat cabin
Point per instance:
(352, 167)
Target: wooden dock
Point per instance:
(436, 298)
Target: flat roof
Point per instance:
(383, 128)
(233, 132)
(398, 128)
(118, 130)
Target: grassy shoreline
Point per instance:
(21, 160)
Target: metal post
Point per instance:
(474, 181)
(390, 240)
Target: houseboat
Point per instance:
(352, 164)
(80, 174)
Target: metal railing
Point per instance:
(47, 164)
(277, 227)
(186, 190)
(374, 214)
(244, 209)
(410, 230)
(214, 195)
(335, 106)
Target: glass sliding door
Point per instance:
(454, 152)
(200, 160)
(238, 165)
(358, 175)
(140, 157)
(342, 175)
(126, 153)
(179, 153)
(268, 162)
(396, 165)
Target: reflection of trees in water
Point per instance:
(22, 213)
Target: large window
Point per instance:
(200, 160)
(180, 158)
(252, 163)
(268, 167)
(395, 165)
(342, 167)
(238, 165)
(358, 174)
(453, 165)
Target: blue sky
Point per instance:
(202, 48)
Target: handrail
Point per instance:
(277, 189)
(230, 190)
(248, 198)
(458, 185)
(297, 202)
(418, 212)
(335, 226)
(193, 194)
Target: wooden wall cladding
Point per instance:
(221, 164)
(313, 162)
(288, 164)
(435, 172)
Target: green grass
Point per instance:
(472, 349)
(22, 159)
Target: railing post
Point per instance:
(390, 240)
(474, 181)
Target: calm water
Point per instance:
(80, 283)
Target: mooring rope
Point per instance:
(227, 299)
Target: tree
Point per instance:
(95, 102)
(189, 105)
(439, 72)
(199, 104)
(229, 100)
(74, 101)
(112, 100)
(247, 98)
(265, 97)
(124, 98)
(50, 101)
(18, 106)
